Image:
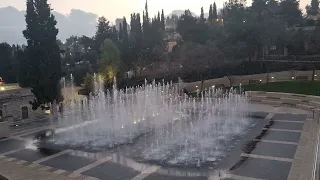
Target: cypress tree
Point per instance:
(43, 62)
(214, 11)
(125, 29)
(120, 31)
(210, 12)
(202, 20)
(163, 23)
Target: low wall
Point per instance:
(306, 102)
(12, 102)
(262, 78)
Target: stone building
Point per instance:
(15, 106)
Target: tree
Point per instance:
(103, 32)
(125, 28)
(88, 82)
(290, 12)
(214, 11)
(120, 31)
(314, 8)
(210, 12)
(43, 53)
(200, 60)
(109, 61)
(192, 29)
(163, 23)
(7, 63)
(202, 19)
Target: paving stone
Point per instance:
(287, 125)
(290, 117)
(282, 136)
(156, 176)
(275, 150)
(33, 155)
(68, 162)
(264, 169)
(111, 170)
(11, 144)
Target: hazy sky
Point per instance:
(113, 9)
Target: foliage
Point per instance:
(43, 64)
(88, 82)
(8, 62)
(109, 62)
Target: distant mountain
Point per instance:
(78, 22)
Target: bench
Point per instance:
(302, 78)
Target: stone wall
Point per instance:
(262, 78)
(12, 102)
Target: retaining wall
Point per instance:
(262, 78)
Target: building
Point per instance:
(118, 21)
(15, 106)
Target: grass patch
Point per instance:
(296, 87)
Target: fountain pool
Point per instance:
(161, 124)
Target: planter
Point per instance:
(4, 129)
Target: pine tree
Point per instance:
(103, 32)
(163, 23)
(210, 12)
(43, 62)
(214, 11)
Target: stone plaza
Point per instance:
(282, 145)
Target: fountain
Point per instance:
(168, 126)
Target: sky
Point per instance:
(113, 9)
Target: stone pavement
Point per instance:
(282, 149)
(14, 169)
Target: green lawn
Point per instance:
(297, 87)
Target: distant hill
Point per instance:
(78, 22)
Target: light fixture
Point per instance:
(260, 80)
(272, 77)
(2, 88)
(292, 77)
(196, 86)
(315, 75)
